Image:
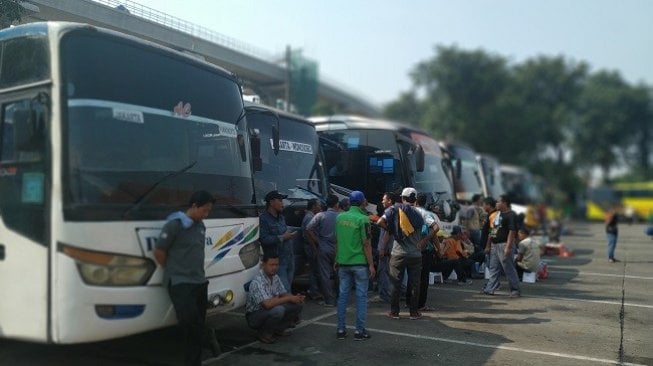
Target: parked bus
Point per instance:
(291, 163)
(524, 193)
(636, 199)
(490, 176)
(466, 175)
(599, 200)
(436, 179)
(369, 155)
(103, 135)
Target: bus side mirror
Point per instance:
(419, 158)
(459, 168)
(275, 140)
(255, 146)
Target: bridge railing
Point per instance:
(181, 25)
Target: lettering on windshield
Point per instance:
(128, 116)
(293, 146)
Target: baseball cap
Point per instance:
(408, 191)
(356, 197)
(274, 195)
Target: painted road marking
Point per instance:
(492, 346)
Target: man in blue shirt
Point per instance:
(271, 309)
(276, 238)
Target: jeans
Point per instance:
(350, 275)
(326, 258)
(499, 261)
(190, 301)
(276, 319)
(384, 278)
(286, 264)
(612, 244)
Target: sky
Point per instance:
(370, 47)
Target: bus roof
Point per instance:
(279, 112)
(342, 121)
(44, 28)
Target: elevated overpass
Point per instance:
(253, 66)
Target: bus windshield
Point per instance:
(142, 127)
(366, 160)
(468, 181)
(492, 176)
(296, 170)
(434, 178)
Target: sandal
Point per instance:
(267, 339)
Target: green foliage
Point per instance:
(303, 82)
(10, 11)
(546, 113)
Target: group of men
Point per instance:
(338, 246)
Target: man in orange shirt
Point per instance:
(454, 256)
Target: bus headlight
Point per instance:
(104, 269)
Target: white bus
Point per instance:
(102, 136)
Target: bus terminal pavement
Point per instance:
(588, 312)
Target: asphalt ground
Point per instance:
(588, 312)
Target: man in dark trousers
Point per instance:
(180, 251)
(503, 235)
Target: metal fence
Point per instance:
(181, 25)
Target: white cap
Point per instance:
(408, 191)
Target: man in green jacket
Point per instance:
(354, 262)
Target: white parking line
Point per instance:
(492, 346)
(607, 302)
(602, 274)
(301, 325)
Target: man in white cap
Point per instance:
(404, 223)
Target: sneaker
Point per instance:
(393, 315)
(465, 282)
(489, 293)
(341, 334)
(415, 315)
(426, 309)
(361, 336)
(515, 294)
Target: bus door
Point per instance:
(24, 199)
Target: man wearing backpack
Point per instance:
(403, 222)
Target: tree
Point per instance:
(406, 109)
(601, 130)
(10, 11)
(461, 89)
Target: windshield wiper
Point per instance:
(139, 201)
(309, 191)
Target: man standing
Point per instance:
(503, 232)
(276, 238)
(270, 308)
(355, 264)
(322, 230)
(404, 223)
(311, 250)
(385, 247)
(612, 232)
(180, 251)
(431, 229)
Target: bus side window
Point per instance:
(22, 173)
